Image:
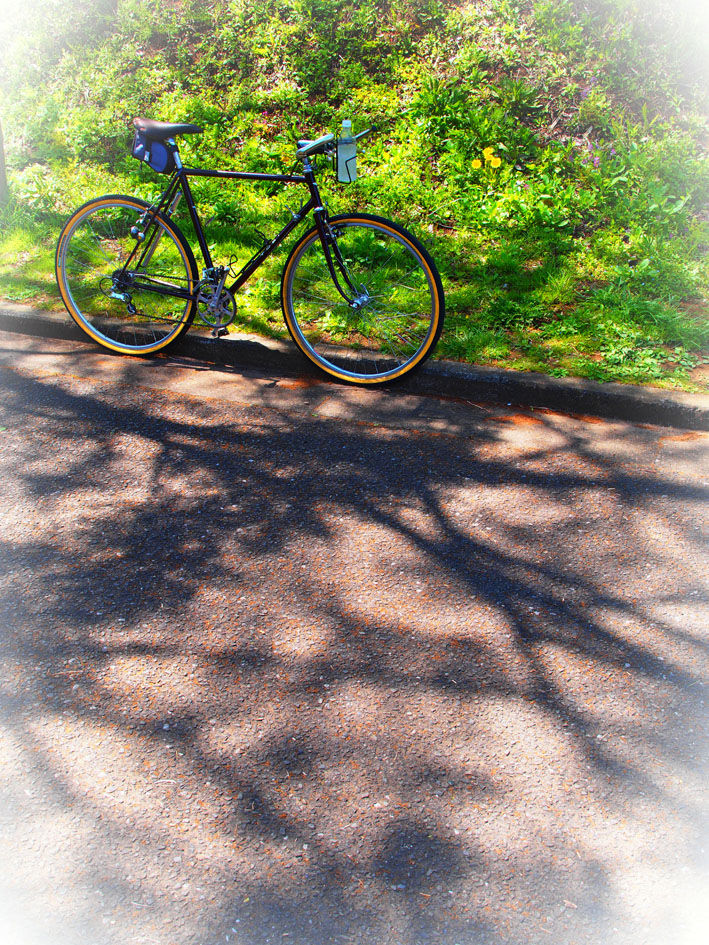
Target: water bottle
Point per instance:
(346, 154)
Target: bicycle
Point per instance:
(361, 297)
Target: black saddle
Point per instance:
(162, 130)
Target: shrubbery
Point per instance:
(549, 152)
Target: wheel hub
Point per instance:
(358, 303)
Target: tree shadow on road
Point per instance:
(368, 685)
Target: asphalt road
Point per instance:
(284, 662)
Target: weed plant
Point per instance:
(550, 153)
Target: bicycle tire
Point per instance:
(400, 310)
(93, 247)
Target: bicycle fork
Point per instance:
(357, 298)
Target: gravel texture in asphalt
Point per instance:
(287, 662)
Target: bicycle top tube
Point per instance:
(243, 175)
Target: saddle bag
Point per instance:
(156, 154)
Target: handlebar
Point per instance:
(319, 145)
(306, 148)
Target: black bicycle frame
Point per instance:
(179, 183)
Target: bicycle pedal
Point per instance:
(219, 332)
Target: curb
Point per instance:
(439, 378)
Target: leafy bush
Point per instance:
(549, 151)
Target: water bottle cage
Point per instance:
(346, 160)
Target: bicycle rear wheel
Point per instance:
(392, 324)
(126, 277)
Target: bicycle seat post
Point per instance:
(176, 153)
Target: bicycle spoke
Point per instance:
(396, 321)
(104, 297)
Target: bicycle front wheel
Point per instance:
(126, 276)
(391, 322)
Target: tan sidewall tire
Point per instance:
(175, 233)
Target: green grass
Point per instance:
(515, 306)
(27, 267)
(550, 153)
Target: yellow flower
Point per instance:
(477, 164)
(495, 162)
(487, 153)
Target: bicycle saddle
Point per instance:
(160, 130)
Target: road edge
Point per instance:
(463, 382)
